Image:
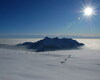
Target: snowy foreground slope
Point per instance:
(25, 65)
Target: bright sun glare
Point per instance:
(88, 11)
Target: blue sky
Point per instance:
(64, 17)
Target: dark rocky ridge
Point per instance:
(48, 44)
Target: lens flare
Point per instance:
(88, 11)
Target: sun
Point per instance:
(88, 11)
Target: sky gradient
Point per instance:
(64, 17)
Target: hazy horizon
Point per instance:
(51, 35)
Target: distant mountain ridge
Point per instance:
(48, 44)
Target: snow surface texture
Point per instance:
(52, 65)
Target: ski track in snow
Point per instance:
(26, 65)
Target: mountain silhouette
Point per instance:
(48, 44)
